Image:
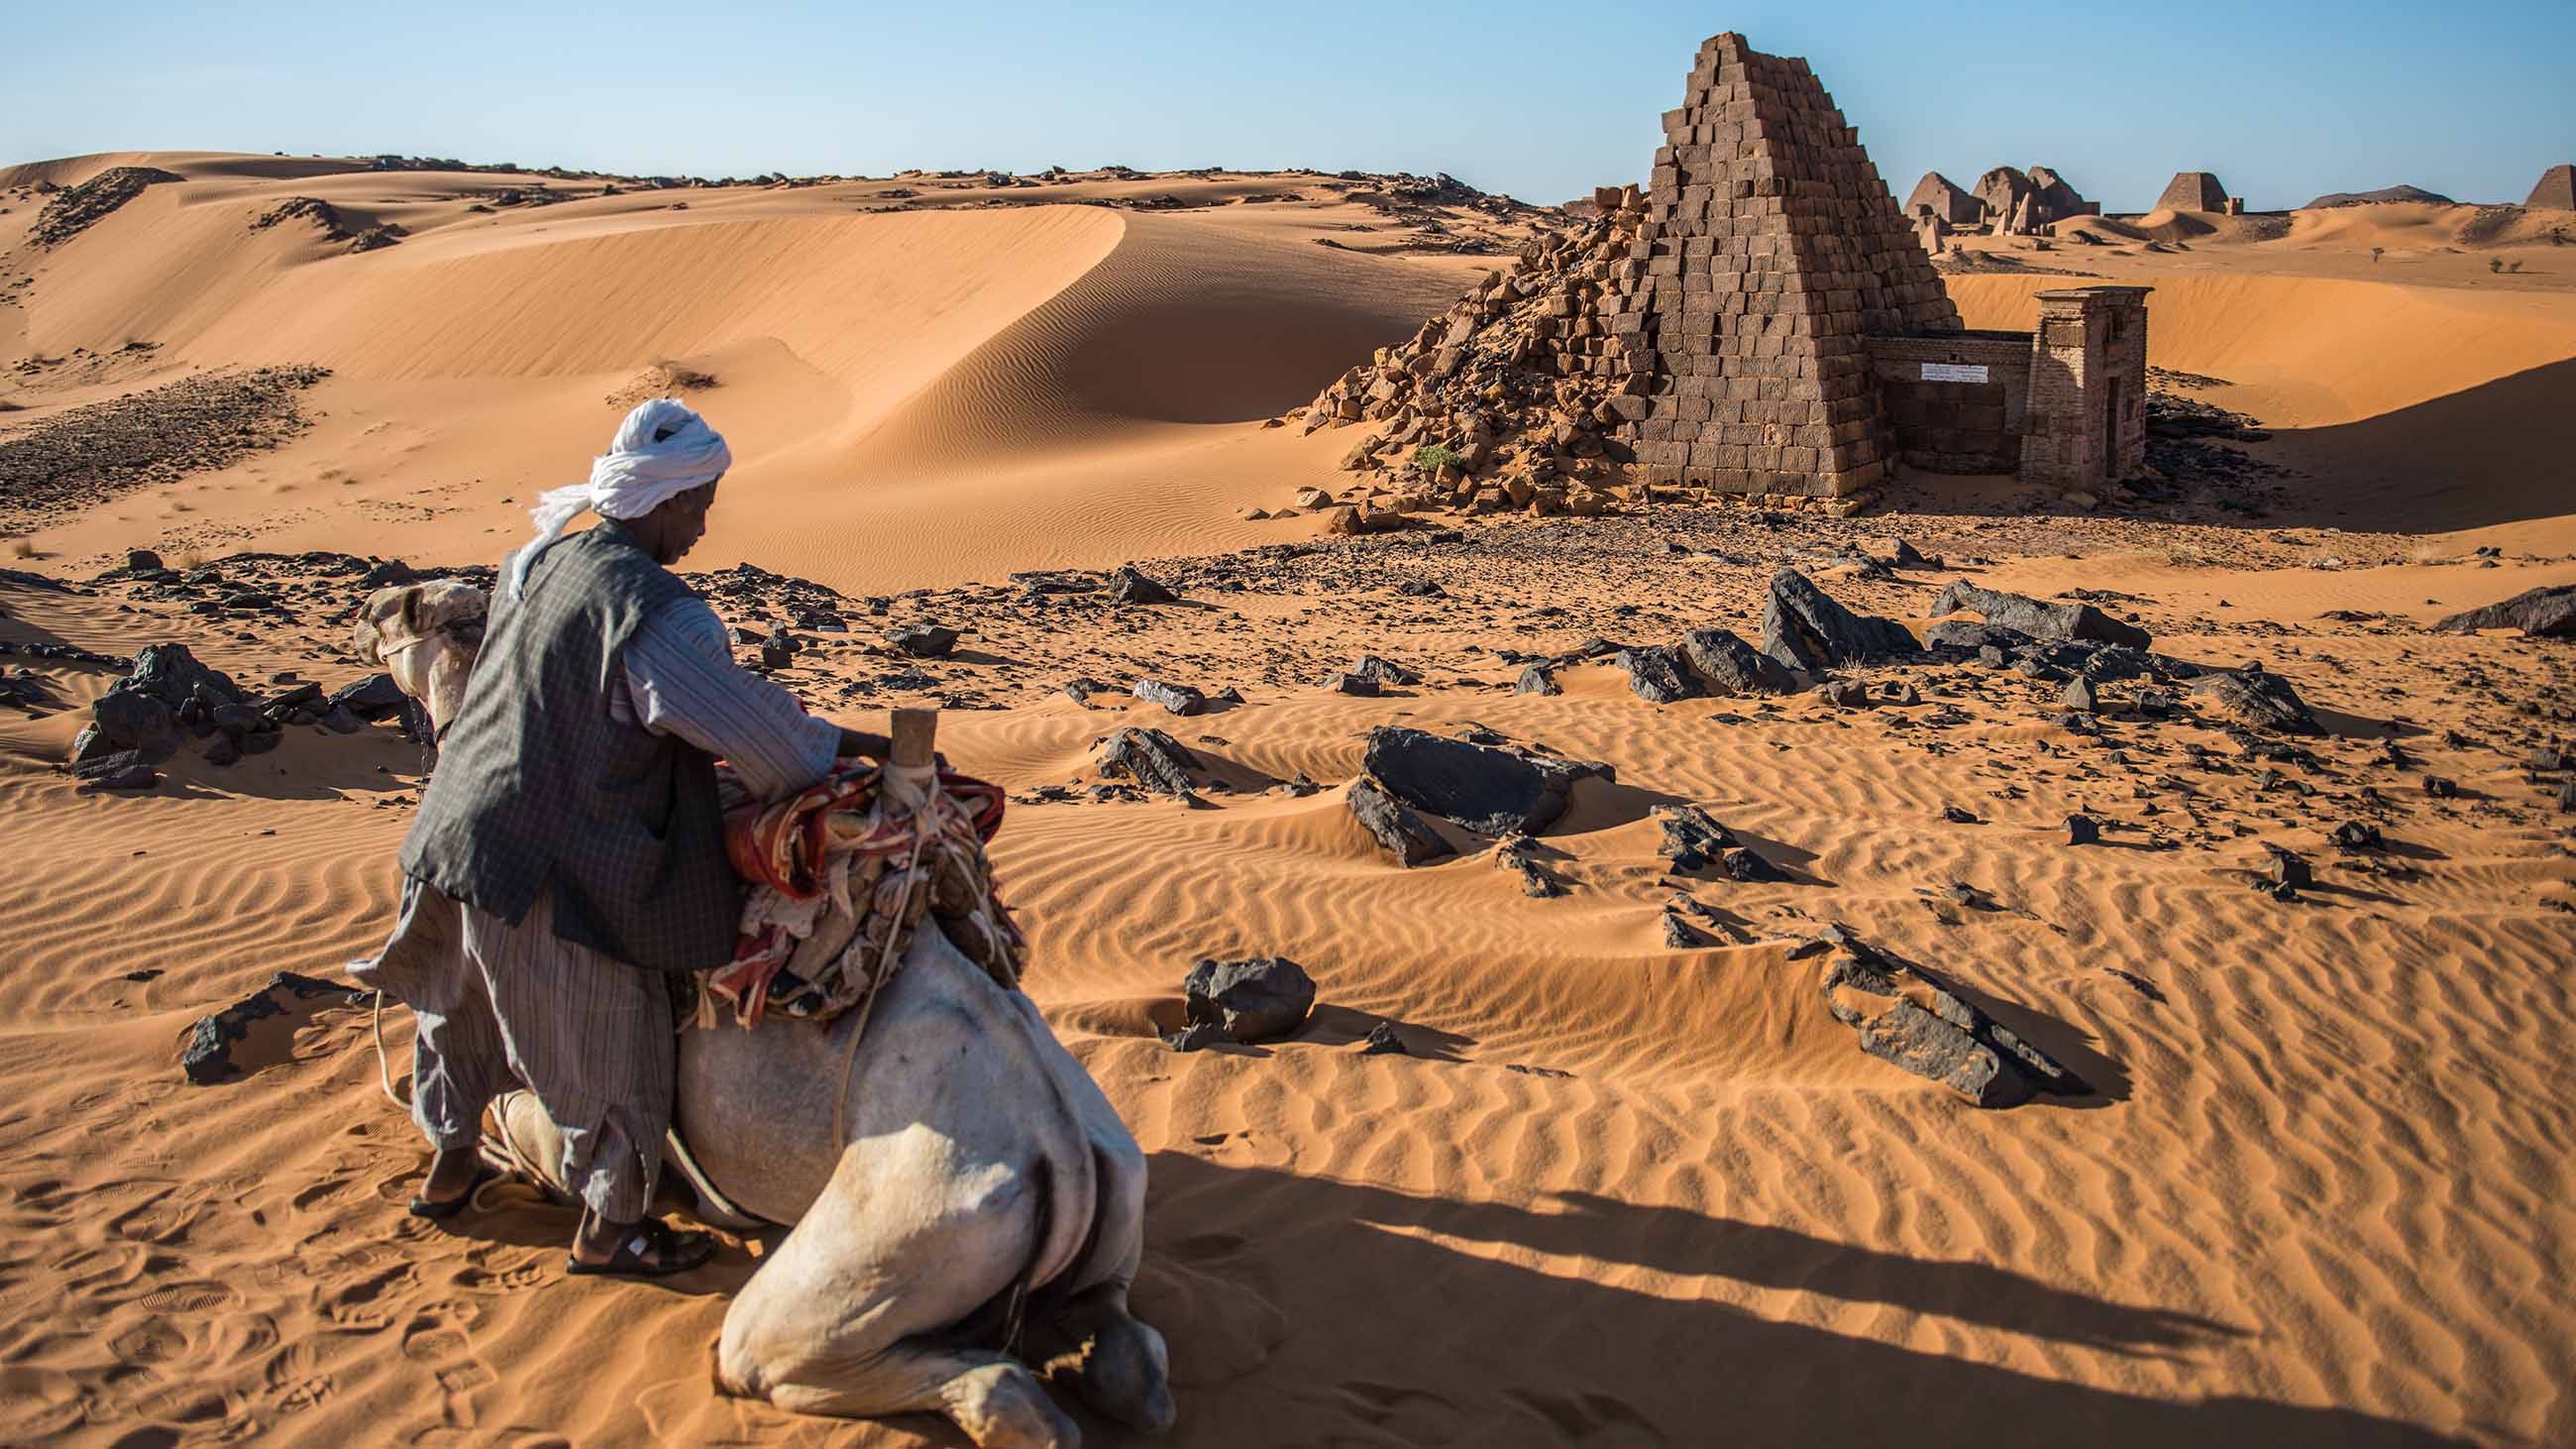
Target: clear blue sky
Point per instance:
(2282, 100)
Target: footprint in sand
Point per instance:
(1410, 1415)
(360, 1304)
(1587, 1418)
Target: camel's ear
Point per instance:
(413, 626)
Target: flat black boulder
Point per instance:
(2258, 698)
(1731, 666)
(1912, 1017)
(2548, 613)
(1493, 790)
(2039, 618)
(216, 1049)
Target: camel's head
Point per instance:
(426, 636)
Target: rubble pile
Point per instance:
(1510, 400)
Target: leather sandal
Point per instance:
(650, 1249)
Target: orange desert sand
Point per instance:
(1619, 1191)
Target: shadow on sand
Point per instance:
(1388, 1298)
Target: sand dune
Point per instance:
(1619, 1192)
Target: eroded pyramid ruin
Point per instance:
(1761, 320)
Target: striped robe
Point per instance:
(505, 1005)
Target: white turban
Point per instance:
(661, 451)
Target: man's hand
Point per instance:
(861, 743)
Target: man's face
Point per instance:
(688, 522)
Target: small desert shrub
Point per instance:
(1432, 457)
(187, 559)
(22, 548)
(2495, 264)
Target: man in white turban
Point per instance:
(570, 849)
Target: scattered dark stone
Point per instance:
(778, 648)
(2567, 798)
(1151, 758)
(2260, 699)
(1681, 935)
(1382, 1041)
(341, 722)
(1731, 666)
(1656, 674)
(2083, 830)
(2548, 613)
(386, 573)
(223, 750)
(1804, 630)
(375, 697)
(142, 560)
(1914, 1018)
(1495, 791)
(1693, 839)
(1353, 684)
(1748, 865)
(1081, 688)
(1385, 672)
(1421, 589)
(1396, 828)
(2287, 873)
(1259, 1000)
(1843, 693)
(924, 641)
(1538, 678)
(1964, 635)
(1957, 815)
(209, 1058)
(2356, 835)
(2441, 787)
(1129, 585)
(1180, 699)
(1198, 1036)
(2078, 695)
(2038, 619)
(132, 720)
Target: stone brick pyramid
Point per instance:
(2193, 191)
(2556, 191)
(1770, 251)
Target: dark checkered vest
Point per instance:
(535, 783)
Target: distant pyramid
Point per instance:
(2057, 200)
(1771, 250)
(2002, 190)
(2192, 191)
(1946, 200)
(2556, 191)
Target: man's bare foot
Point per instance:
(453, 1175)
